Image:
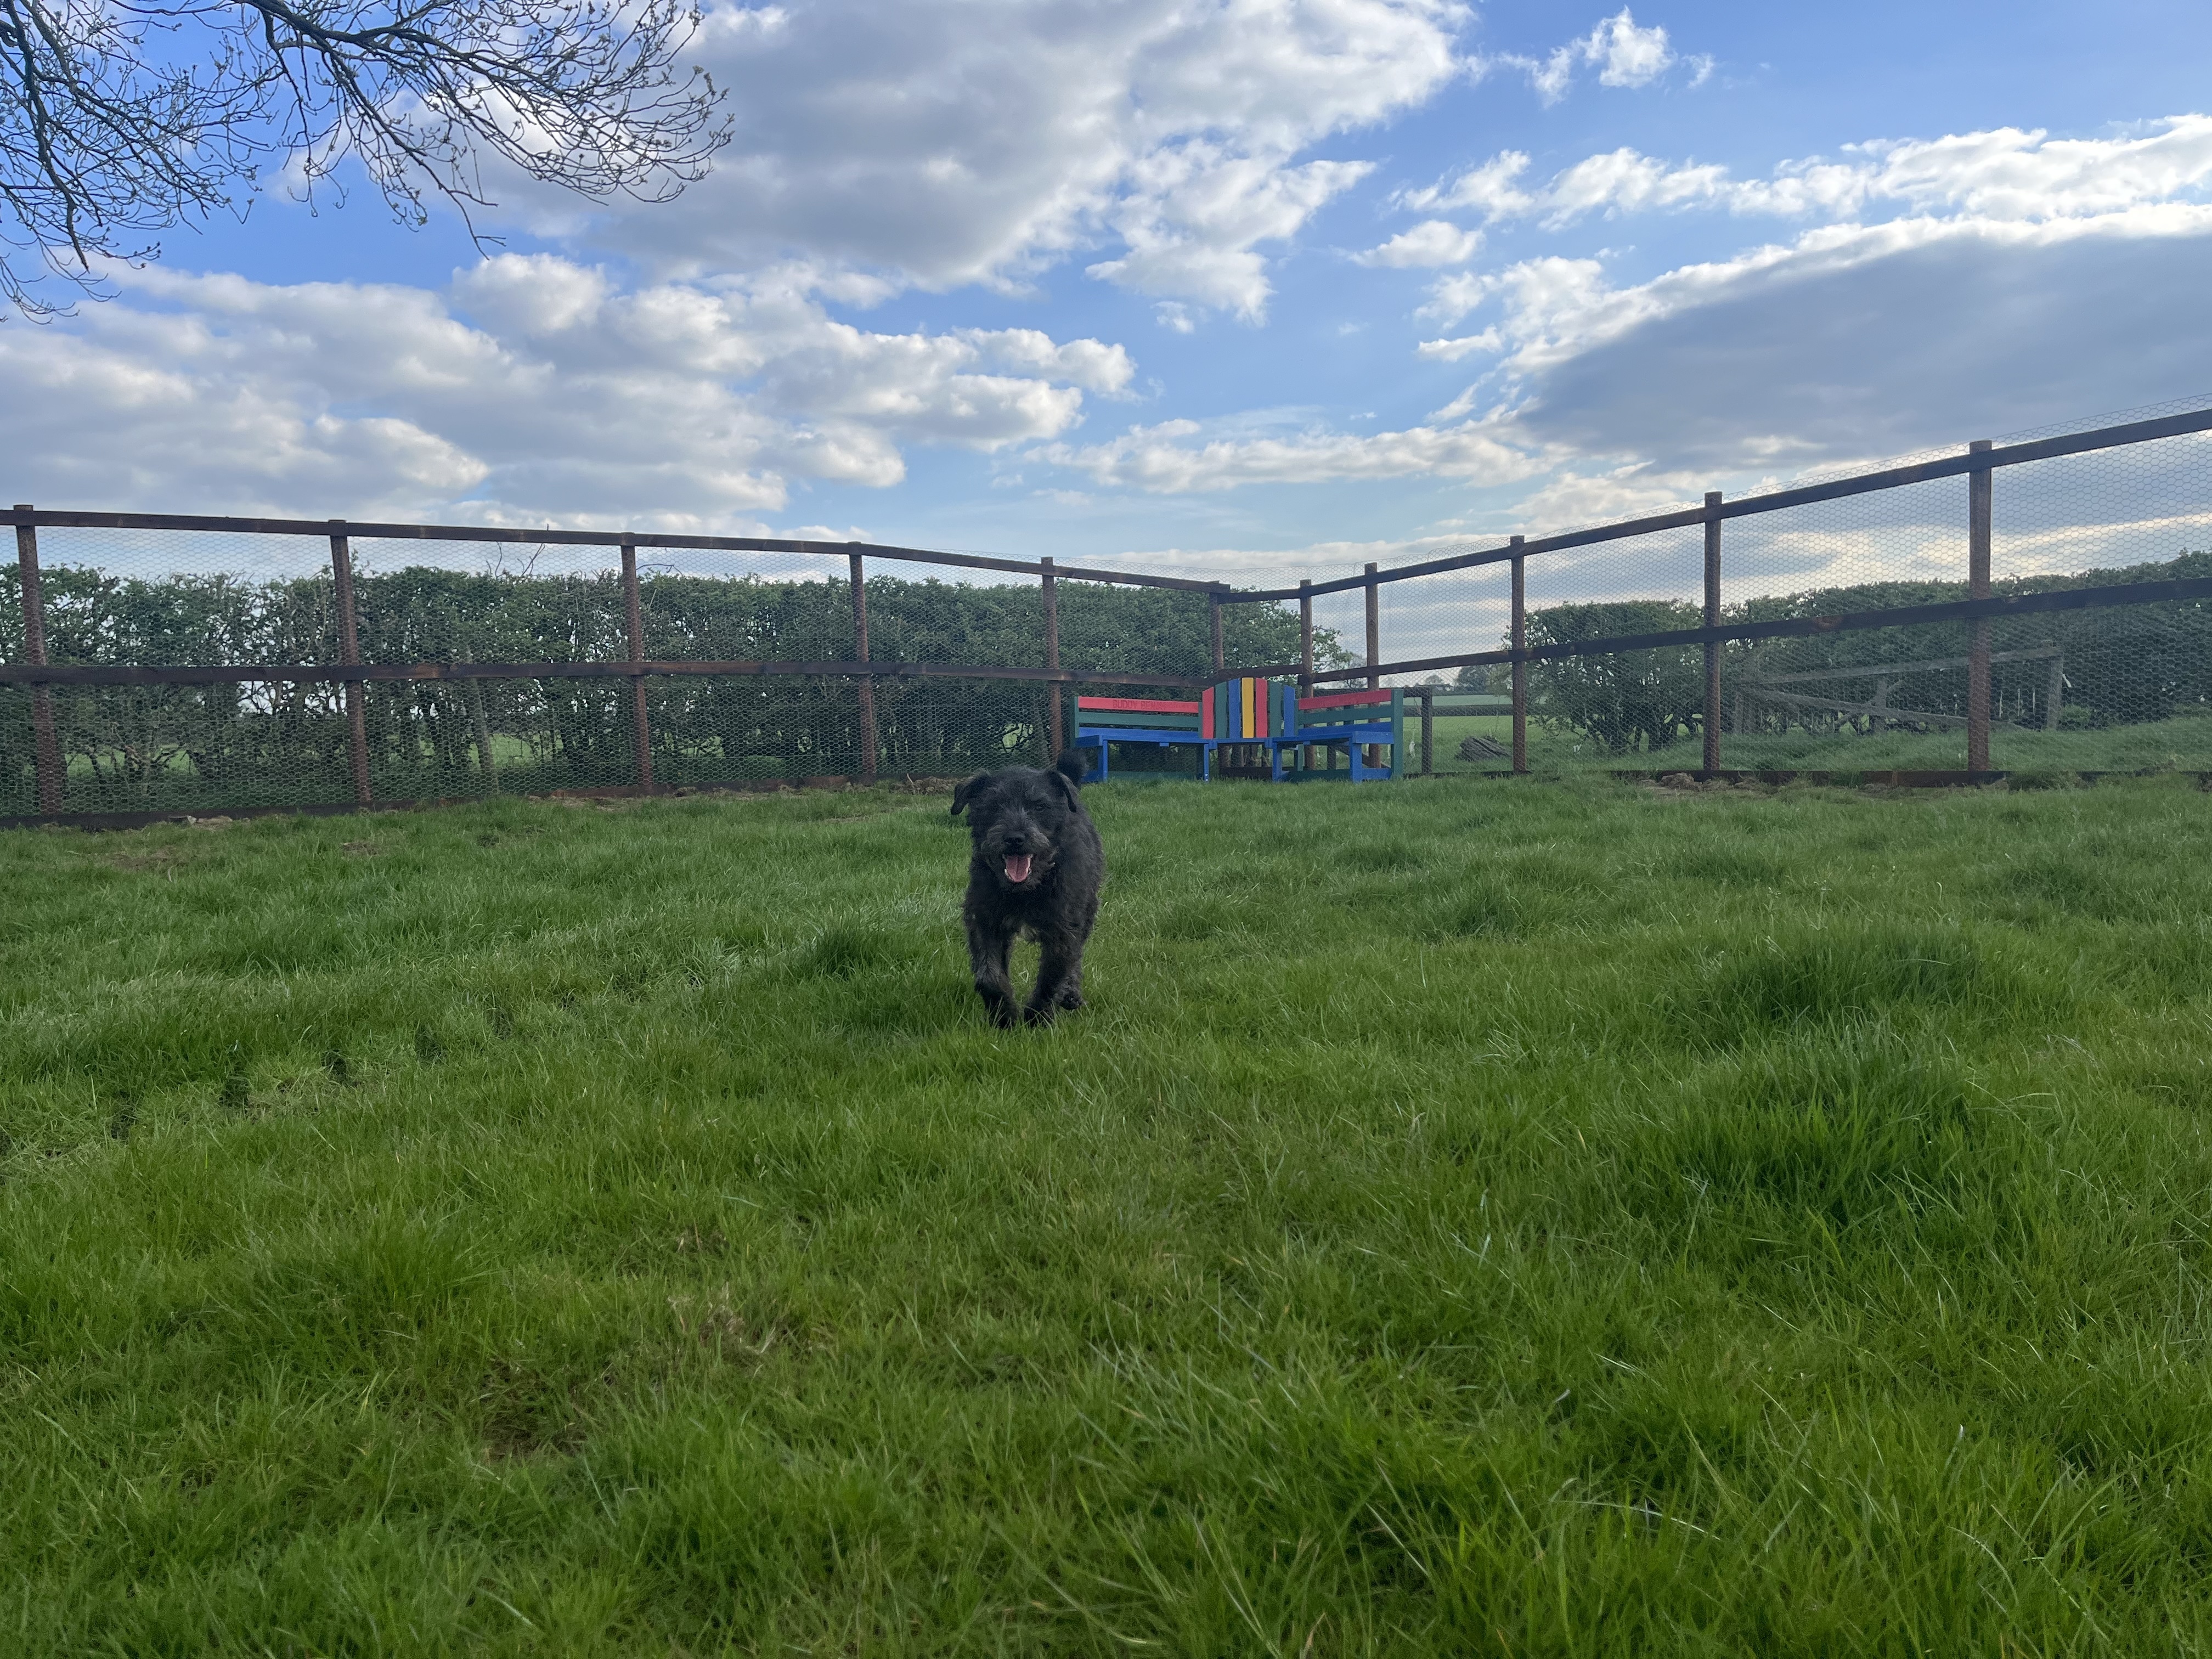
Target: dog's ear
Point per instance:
(1073, 765)
(964, 791)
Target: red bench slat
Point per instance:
(1136, 705)
(1343, 699)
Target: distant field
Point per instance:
(1475, 1217)
(2185, 744)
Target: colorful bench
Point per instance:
(1101, 720)
(1356, 720)
(1252, 712)
(1248, 713)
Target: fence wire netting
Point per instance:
(163, 599)
(2108, 685)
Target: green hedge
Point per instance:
(188, 747)
(2125, 664)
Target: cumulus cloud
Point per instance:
(1576, 498)
(533, 390)
(953, 141)
(1162, 458)
(1855, 341)
(1431, 242)
(1850, 339)
(2005, 174)
(1623, 54)
(1193, 228)
(1980, 282)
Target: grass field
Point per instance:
(1531, 1219)
(2184, 743)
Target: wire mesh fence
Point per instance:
(1879, 622)
(672, 667)
(1842, 625)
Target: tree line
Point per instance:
(2122, 665)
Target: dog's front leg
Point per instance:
(989, 946)
(1060, 978)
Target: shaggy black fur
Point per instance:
(1036, 872)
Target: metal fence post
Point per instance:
(1220, 663)
(1712, 620)
(641, 729)
(1978, 587)
(867, 687)
(1520, 659)
(45, 741)
(1059, 719)
(350, 656)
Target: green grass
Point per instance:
(2184, 744)
(1473, 1217)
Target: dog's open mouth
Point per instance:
(1017, 867)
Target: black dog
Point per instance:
(1036, 870)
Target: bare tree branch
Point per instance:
(120, 120)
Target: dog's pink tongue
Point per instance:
(1017, 867)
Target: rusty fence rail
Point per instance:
(1743, 666)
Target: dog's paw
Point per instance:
(1070, 998)
(1035, 1016)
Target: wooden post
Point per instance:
(1059, 726)
(1712, 620)
(1428, 730)
(483, 725)
(1978, 587)
(1374, 650)
(2055, 693)
(46, 740)
(867, 687)
(1305, 660)
(1220, 663)
(1374, 627)
(350, 655)
(1520, 639)
(640, 728)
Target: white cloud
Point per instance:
(1158, 459)
(1492, 189)
(1193, 224)
(2006, 173)
(1452, 297)
(1623, 55)
(951, 142)
(533, 391)
(1855, 341)
(1431, 242)
(1981, 280)
(1557, 309)
(1466, 345)
(1574, 499)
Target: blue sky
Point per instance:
(1256, 282)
